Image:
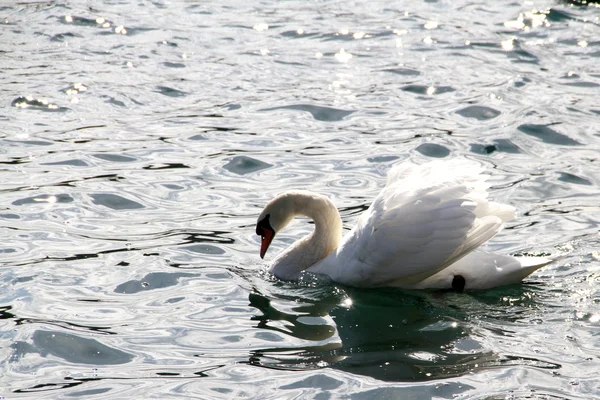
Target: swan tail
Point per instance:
(529, 264)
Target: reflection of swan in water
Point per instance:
(419, 232)
(387, 334)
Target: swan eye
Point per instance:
(263, 225)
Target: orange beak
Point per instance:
(266, 239)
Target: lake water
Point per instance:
(140, 140)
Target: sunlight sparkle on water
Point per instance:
(76, 89)
(423, 355)
(29, 101)
(49, 199)
(528, 20)
(22, 104)
(430, 25)
(343, 56)
(508, 44)
(261, 27)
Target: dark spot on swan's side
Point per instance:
(458, 283)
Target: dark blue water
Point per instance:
(140, 140)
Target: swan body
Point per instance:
(420, 232)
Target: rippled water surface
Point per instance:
(140, 140)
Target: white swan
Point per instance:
(420, 232)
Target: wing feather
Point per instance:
(426, 218)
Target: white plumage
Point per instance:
(419, 232)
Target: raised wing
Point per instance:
(426, 218)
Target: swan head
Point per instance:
(275, 216)
(266, 233)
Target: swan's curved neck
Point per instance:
(323, 240)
